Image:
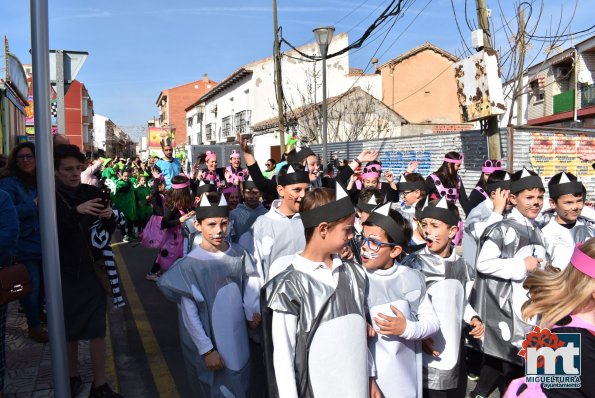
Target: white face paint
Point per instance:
(369, 255)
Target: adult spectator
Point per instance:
(89, 175)
(168, 165)
(270, 166)
(9, 233)
(78, 207)
(19, 181)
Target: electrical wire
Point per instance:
(351, 12)
(452, 4)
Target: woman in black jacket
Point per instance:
(78, 208)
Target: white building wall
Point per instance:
(524, 98)
(99, 139)
(194, 132)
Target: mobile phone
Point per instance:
(105, 197)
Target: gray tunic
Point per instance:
(242, 218)
(220, 282)
(446, 280)
(498, 301)
(328, 320)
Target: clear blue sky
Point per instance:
(140, 47)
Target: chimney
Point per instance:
(205, 78)
(375, 63)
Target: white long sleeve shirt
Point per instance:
(284, 327)
(490, 263)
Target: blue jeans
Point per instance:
(33, 303)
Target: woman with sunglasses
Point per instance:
(19, 181)
(479, 193)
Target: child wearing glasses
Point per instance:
(509, 250)
(400, 309)
(314, 313)
(448, 277)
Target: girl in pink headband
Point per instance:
(479, 193)
(446, 182)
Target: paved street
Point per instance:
(144, 356)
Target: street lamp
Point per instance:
(324, 36)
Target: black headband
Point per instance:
(329, 212)
(211, 211)
(297, 177)
(504, 184)
(248, 184)
(206, 188)
(438, 213)
(366, 207)
(566, 188)
(392, 229)
(303, 154)
(412, 186)
(530, 182)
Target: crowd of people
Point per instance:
(292, 281)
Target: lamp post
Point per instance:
(324, 36)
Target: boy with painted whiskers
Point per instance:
(448, 277)
(567, 227)
(400, 309)
(208, 285)
(314, 313)
(509, 250)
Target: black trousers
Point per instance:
(496, 373)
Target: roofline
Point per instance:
(227, 82)
(181, 85)
(426, 46)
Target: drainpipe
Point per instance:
(576, 66)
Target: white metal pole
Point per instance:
(47, 197)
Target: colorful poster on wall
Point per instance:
(397, 161)
(553, 153)
(156, 134)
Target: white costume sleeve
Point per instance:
(194, 326)
(252, 288)
(371, 365)
(479, 226)
(284, 330)
(428, 322)
(490, 263)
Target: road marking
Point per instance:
(162, 377)
(110, 362)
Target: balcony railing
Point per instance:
(242, 122)
(226, 127)
(209, 132)
(588, 96)
(564, 102)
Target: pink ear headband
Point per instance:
(211, 155)
(453, 161)
(181, 185)
(371, 174)
(234, 154)
(489, 166)
(582, 262)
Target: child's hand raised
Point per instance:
(391, 325)
(214, 362)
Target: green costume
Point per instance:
(143, 206)
(124, 199)
(108, 173)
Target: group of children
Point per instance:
(359, 291)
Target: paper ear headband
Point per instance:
(329, 212)
(389, 226)
(439, 213)
(211, 155)
(412, 186)
(583, 262)
(234, 154)
(303, 154)
(530, 182)
(495, 185)
(573, 187)
(489, 166)
(181, 185)
(453, 161)
(297, 177)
